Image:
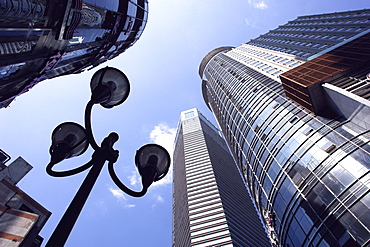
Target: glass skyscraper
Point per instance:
(293, 105)
(42, 39)
(211, 205)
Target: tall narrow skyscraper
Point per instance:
(294, 107)
(211, 205)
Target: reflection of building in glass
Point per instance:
(211, 205)
(42, 39)
(21, 217)
(293, 105)
(90, 17)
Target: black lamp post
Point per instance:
(109, 87)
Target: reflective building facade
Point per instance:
(42, 39)
(211, 205)
(294, 108)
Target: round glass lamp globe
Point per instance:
(113, 80)
(72, 137)
(153, 155)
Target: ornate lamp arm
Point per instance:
(109, 87)
(89, 134)
(69, 172)
(120, 185)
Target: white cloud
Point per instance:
(252, 24)
(134, 179)
(163, 135)
(121, 198)
(258, 4)
(160, 199)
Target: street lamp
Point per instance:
(109, 87)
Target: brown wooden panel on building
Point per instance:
(305, 80)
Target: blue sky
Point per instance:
(163, 70)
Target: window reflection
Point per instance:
(6, 71)
(298, 173)
(105, 4)
(333, 183)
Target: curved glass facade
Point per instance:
(51, 38)
(309, 175)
